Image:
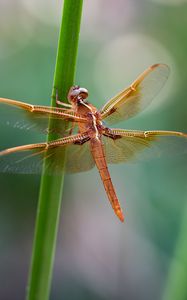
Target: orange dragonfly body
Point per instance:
(89, 141)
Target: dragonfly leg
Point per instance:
(71, 129)
(61, 103)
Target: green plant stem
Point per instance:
(176, 287)
(51, 186)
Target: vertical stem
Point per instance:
(51, 186)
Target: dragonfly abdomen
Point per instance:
(99, 157)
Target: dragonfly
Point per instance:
(89, 141)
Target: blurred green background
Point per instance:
(97, 257)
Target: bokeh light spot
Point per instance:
(47, 11)
(122, 60)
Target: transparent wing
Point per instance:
(137, 97)
(79, 158)
(128, 146)
(26, 116)
(31, 159)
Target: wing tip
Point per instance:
(160, 65)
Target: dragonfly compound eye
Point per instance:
(77, 92)
(83, 93)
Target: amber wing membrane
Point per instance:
(29, 159)
(137, 97)
(132, 146)
(27, 116)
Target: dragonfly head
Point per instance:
(77, 94)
